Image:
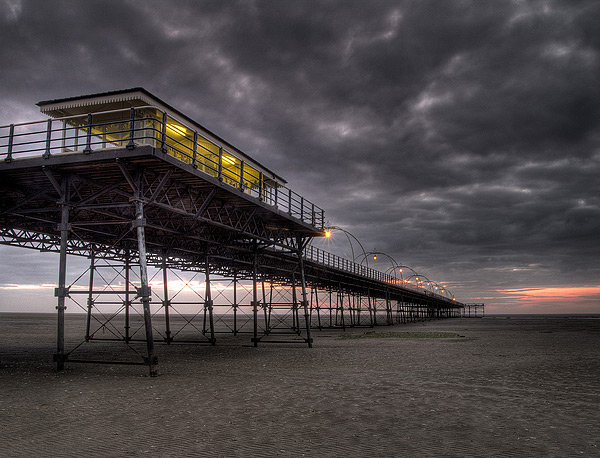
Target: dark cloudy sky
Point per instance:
(460, 137)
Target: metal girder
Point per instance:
(100, 209)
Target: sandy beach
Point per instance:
(524, 386)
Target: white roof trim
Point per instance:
(137, 95)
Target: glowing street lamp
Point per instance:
(328, 233)
(401, 269)
(364, 257)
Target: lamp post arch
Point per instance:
(418, 279)
(398, 268)
(365, 256)
(349, 235)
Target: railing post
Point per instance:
(11, 132)
(46, 154)
(195, 151)
(289, 201)
(63, 141)
(88, 135)
(163, 134)
(260, 186)
(131, 143)
(242, 176)
(220, 174)
(301, 208)
(276, 194)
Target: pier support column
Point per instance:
(304, 295)
(144, 292)
(314, 291)
(166, 302)
(330, 292)
(61, 292)
(208, 304)
(90, 301)
(340, 307)
(127, 301)
(372, 308)
(235, 304)
(255, 297)
(266, 306)
(295, 315)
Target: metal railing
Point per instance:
(129, 128)
(330, 260)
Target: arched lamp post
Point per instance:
(365, 256)
(328, 233)
(397, 268)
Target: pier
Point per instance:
(150, 197)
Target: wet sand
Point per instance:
(507, 387)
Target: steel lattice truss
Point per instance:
(185, 215)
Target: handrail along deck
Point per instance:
(148, 125)
(327, 259)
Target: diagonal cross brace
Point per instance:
(127, 176)
(54, 183)
(206, 202)
(161, 185)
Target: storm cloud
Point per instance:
(461, 138)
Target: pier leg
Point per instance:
(295, 317)
(208, 305)
(390, 312)
(127, 298)
(330, 308)
(373, 309)
(255, 297)
(318, 307)
(235, 304)
(304, 296)
(166, 302)
(350, 307)
(144, 292)
(337, 306)
(270, 307)
(266, 313)
(340, 297)
(61, 291)
(90, 301)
